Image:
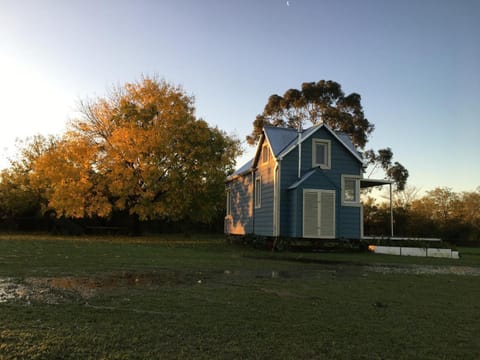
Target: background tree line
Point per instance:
(139, 159)
(137, 155)
(441, 212)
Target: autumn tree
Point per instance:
(67, 179)
(18, 196)
(140, 149)
(325, 102)
(468, 209)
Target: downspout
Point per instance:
(299, 150)
(276, 197)
(253, 201)
(391, 212)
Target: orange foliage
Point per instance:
(141, 150)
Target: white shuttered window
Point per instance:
(319, 214)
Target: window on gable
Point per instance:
(350, 190)
(265, 153)
(258, 192)
(321, 153)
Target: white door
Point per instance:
(319, 214)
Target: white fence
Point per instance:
(414, 251)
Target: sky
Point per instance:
(416, 65)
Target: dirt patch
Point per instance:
(280, 293)
(54, 290)
(87, 287)
(7, 289)
(11, 290)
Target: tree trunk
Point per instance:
(134, 225)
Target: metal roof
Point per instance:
(343, 138)
(280, 138)
(245, 168)
(284, 140)
(302, 179)
(347, 141)
(366, 183)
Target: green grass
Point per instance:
(197, 297)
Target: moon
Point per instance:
(288, 3)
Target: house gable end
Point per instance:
(342, 138)
(277, 140)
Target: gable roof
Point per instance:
(284, 140)
(347, 141)
(280, 138)
(343, 138)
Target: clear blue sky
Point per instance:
(416, 65)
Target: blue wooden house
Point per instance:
(300, 184)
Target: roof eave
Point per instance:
(366, 183)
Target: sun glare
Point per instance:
(31, 104)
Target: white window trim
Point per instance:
(258, 188)
(265, 153)
(356, 202)
(229, 202)
(315, 163)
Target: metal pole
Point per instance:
(391, 212)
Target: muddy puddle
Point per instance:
(56, 290)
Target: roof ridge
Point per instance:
(279, 127)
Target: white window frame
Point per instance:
(258, 192)
(229, 202)
(356, 201)
(326, 162)
(265, 153)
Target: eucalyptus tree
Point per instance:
(325, 102)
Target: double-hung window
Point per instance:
(321, 153)
(229, 202)
(258, 192)
(265, 154)
(350, 190)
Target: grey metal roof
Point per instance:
(302, 179)
(245, 168)
(307, 132)
(347, 141)
(283, 140)
(280, 138)
(342, 137)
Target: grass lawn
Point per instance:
(197, 297)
